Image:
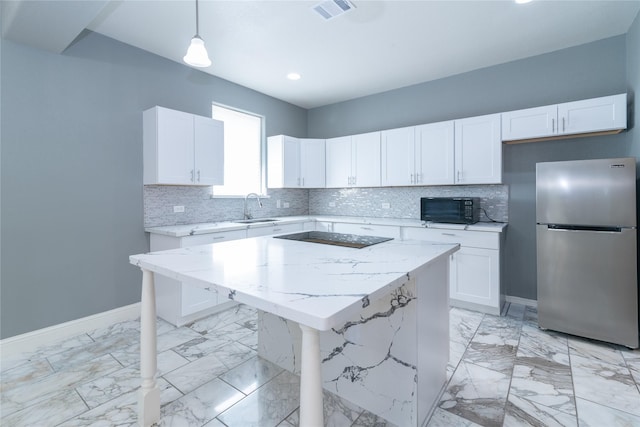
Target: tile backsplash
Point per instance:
(402, 202)
(159, 201)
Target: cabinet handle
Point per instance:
(303, 181)
(553, 125)
(563, 124)
(277, 229)
(218, 237)
(458, 176)
(192, 175)
(198, 175)
(411, 178)
(449, 234)
(366, 228)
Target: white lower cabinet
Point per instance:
(178, 303)
(475, 279)
(275, 228)
(367, 229)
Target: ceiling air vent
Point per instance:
(332, 8)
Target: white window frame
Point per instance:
(263, 154)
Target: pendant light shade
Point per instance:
(197, 55)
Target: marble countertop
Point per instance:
(215, 227)
(317, 285)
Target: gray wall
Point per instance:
(71, 171)
(586, 71)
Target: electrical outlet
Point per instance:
(285, 204)
(278, 204)
(178, 209)
(386, 205)
(332, 204)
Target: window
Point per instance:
(243, 160)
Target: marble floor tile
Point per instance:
(191, 376)
(591, 414)
(56, 408)
(543, 382)
(442, 418)
(544, 345)
(24, 373)
(121, 411)
(521, 412)
(596, 350)
(201, 405)
(477, 394)
(502, 371)
(252, 374)
(267, 406)
(117, 383)
(605, 384)
(34, 392)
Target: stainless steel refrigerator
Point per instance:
(586, 249)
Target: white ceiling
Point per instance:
(379, 46)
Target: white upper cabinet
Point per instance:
(605, 114)
(434, 154)
(353, 161)
(366, 160)
(208, 141)
(312, 163)
(181, 148)
(398, 156)
(295, 162)
(478, 150)
(418, 155)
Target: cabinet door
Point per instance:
(593, 115)
(365, 166)
(209, 151)
(196, 299)
(397, 158)
(530, 123)
(475, 276)
(434, 149)
(312, 163)
(291, 162)
(478, 150)
(175, 153)
(338, 162)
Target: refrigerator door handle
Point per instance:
(555, 227)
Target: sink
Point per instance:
(251, 221)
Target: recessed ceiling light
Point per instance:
(293, 76)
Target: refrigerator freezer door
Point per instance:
(587, 283)
(587, 192)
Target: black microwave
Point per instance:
(457, 210)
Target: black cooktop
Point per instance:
(337, 239)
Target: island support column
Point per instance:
(149, 394)
(311, 409)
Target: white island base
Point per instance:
(390, 360)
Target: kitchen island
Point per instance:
(373, 322)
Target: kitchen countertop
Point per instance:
(320, 286)
(215, 227)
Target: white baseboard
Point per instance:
(25, 343)
(523, 301)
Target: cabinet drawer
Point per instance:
(474, 239)
(367, 230)
(274, 229)
(205, 239)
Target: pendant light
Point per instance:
(197, 54)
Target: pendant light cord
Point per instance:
(197, 21)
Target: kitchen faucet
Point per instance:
(247, 215)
